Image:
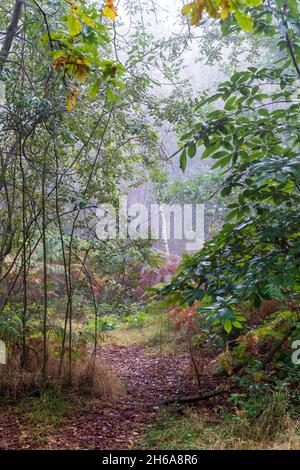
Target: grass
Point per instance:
(45, 413)
(183, 428)
(201, 430)
(155, 334)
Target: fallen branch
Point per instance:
(195, 398)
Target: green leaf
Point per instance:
(183, 161)
(222, 162)
(243, 20)
(230, 103)
(111, 96)
(74, 25)
(208, 151)
(237, 324)
(227, 325)
(94, 89)
(226, 191)
(192, 149)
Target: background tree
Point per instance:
(254, 138)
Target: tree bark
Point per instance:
(10, 33)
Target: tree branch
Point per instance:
(291, 49)
(195, 398)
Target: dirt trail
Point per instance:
(148, 379)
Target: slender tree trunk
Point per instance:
(45, 316)
(63, 343)
(24, 248)
(10, 33)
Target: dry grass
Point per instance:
(16, 383)
(205, 431)
(96, 380)
(89, 377)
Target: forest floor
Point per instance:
(149, 371)
(148, 379)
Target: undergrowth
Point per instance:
(44, 413)
(204, 430)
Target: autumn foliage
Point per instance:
(221, 9)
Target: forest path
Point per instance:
(148, 379)
(108, 424)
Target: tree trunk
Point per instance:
(10, 33)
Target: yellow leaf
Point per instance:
(221, 9)
(187, 8)
(194, 10)
(110, 10)
(74, 24)
(62, 60)
(226, 8)
(69, 102)
(87, 20)
(74, 96)
(212, 8)
(81, 69)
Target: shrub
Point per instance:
(264, 411)
(136, 320)
(105, 323)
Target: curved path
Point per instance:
(99, 424)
